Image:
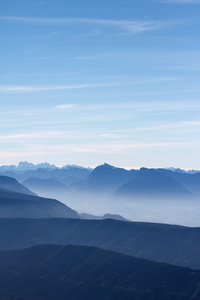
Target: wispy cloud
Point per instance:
(182, 1)
(39, 88)
(109, 135)
(47, 135)
(123, 25)
(137, 107)
(192, 125)
(18, 154)
(66, 106)
(95, 56)
(31, 89)
(24, 136)
(106, 147)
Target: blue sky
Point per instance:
(88, 82)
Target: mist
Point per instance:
(173, 210)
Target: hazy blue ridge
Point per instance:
(16, 205)
(172, 244)
(12, 184)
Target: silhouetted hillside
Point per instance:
(106, 178)
(75, 272)
(144, 183)
(190, 181)
(75, 182)
(16, 205)
(38, 183)
(106, 216)
(150, 183)
(159, 242)
(46, 187)
(12, 184)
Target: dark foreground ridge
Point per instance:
(53, 272)
(176, 245)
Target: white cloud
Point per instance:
(152, 106)
(182, 125)
(182, 1)
(123, 25)
(31, 89)
(30, 135)
(107, 148)
(47, 135)
(66, 106)
(95, 56)
(19, 154)
(109, 135)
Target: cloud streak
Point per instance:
(193, 125)
(24, 136)
(182, 1)
(137, 107)
(131, 27)
(110, 148)
(31, 89)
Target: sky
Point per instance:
(92, 82)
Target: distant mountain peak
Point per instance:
(26, 166)
(30, 166)
(70, 167)
(106, 166)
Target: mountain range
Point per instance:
(73, 181)
(107, 180)
(16, 201)
(152, 195)
(26, 166)
(164, 243)
(172, 244)
(63, 264)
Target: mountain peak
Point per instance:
(30, 166)
(70, 167)
(26, 166)
(105, 166)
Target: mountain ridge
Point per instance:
(79, 272)
(174, 244)
(12, 184)
(15, 204)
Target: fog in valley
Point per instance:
(160, 210)
(144, 195)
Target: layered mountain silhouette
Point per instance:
(12, 184)
(150, 183)
(16, 205)
(106, 178)
(172, 244)
(190, 181)
(76, 272)
(120, 184)
(73, 181)
(105, 216)
(54, 269)
(17, 201)
(46, 187)
(66, 174)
